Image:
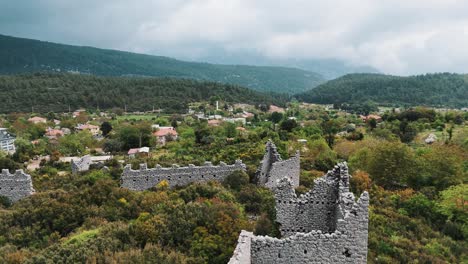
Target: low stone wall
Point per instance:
(145, 178)
(15, 186)
(272, 168)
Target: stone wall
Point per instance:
(81, 164)
(315, 210)
(348, 244)
(242, 251)
(145, 178)
(15, 186)
(325, 225)
(272, 168)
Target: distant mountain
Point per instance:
(328, 68)
(56, 92)
(441, 89)
(19, 55)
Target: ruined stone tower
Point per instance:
(15, 186)
(325, 225)
(272, 168)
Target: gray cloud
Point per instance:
(397, 37)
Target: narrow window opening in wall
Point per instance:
(203, 176)
(214, 175)
(347, 253)
(305, 251)
(323, 202)
(279, 255)
(317, 202)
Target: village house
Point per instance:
(274, 108)
(247, 115)
(78, 112)
(236, 120)
(214, 122)
(53, 133)
(165, 134)
(369, 117)
(37, 120)
(7, 141)
(91, 128)
(140, 152)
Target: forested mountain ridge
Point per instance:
(20, 55)
(55, 92)
(440, 89)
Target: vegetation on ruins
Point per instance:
(418, 190)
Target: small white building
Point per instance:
(7, 141)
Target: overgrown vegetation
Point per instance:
(418, 191)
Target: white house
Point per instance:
(7, 141)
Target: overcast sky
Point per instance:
(396, 36)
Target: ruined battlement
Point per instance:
(319, 208)
(81, 164)
(146, 178)
(324, 225)
(16, 185)
(272, 168)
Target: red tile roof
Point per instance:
(165, 131)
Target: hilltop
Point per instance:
(19, 55)
(56, 92)
(441, 89)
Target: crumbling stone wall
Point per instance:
(315, 210)
(15, 186)
(242, 251)
(81, 164)
(347, 244)
(145, 178)
(272, 168)
(325, 225)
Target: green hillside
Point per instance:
(56, 92)
(20, 55)
(441, 89)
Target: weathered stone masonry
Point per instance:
(273, 168)
(15, 186)
(317, 209)
(81, 164)
(325, 225)
(145, 178)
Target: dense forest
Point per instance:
(20, 55)
(45, 92)
(442, 89)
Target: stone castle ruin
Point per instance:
(145, 178)
(325, 225)
(81, 164)
(15, 186)
(272, 168)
